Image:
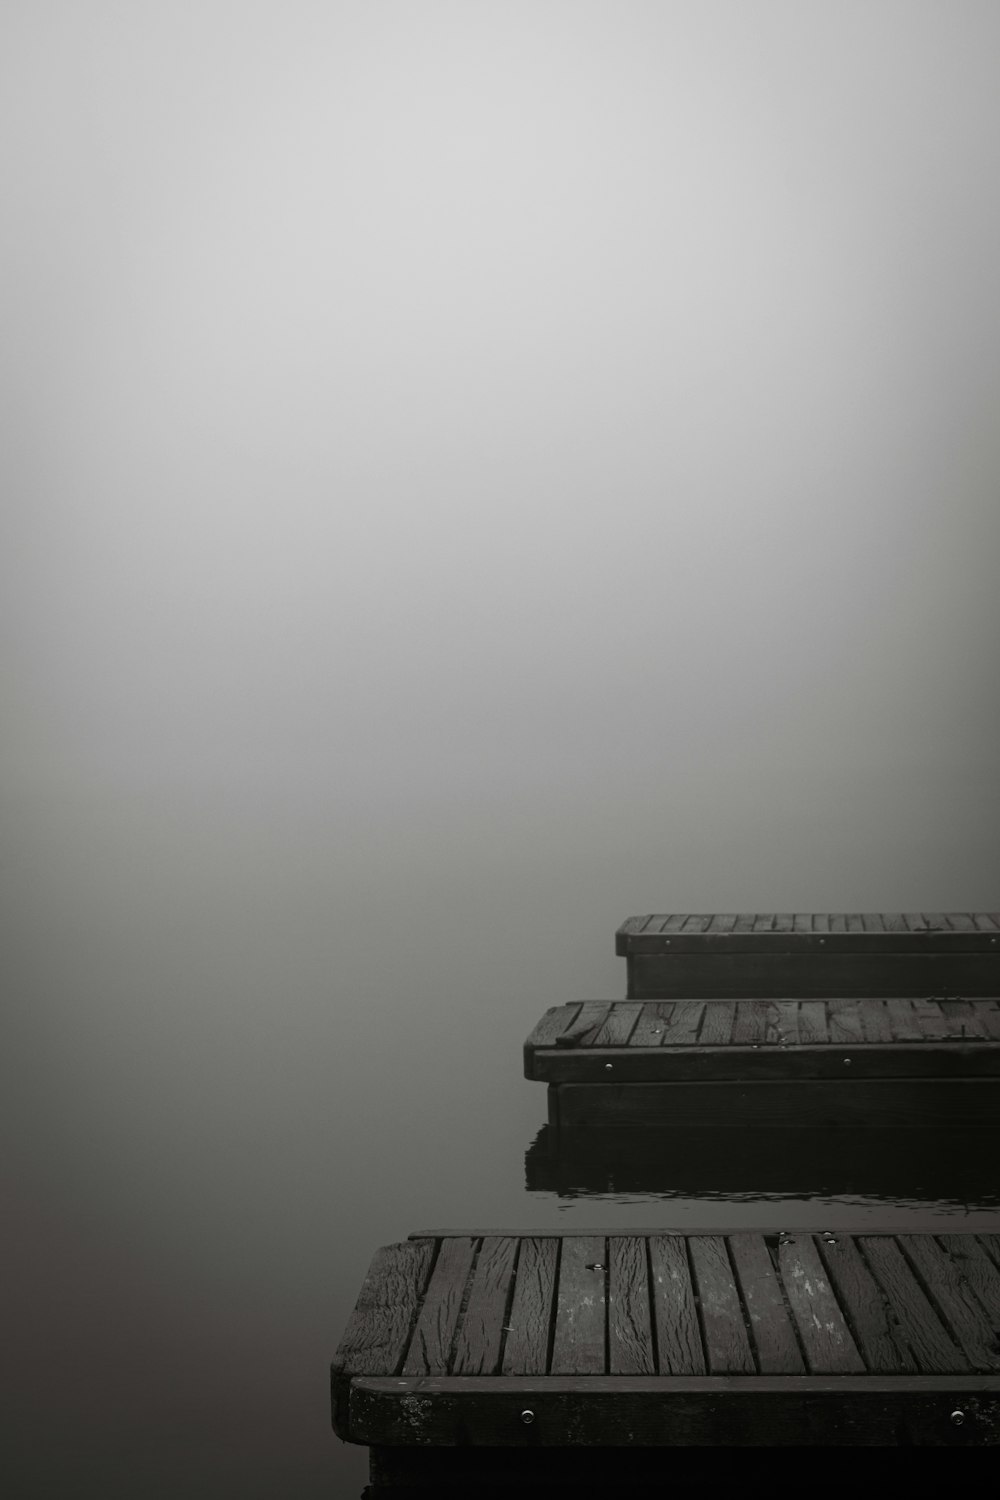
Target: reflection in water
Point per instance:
(934, 1172)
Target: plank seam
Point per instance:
(846, 1312)
(696, 1295)
(654, 1342)
(418, 1307)
(508, 1305)
(771, 1242)
(554, 1305)
(741, 1302)
(939, 1312)
(463, 1305)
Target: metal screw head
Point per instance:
(608, 1067)
(822, 942)
(958, 1417)
(527, 1417)
(847, 1062)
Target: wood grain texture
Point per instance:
(726, 1342)
(579, 1339)
(826, 1338)
(430, 1346)
(678, 1334)
(526, 1350)
(867, 1308)
(651, 1332)
(630, 1333)
(774, 1338)
(480, 1335)
(933, 1348)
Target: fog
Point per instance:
(471, 472)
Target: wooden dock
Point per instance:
(645, 1340)
(895, 1062)
(765, 955)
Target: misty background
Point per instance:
(471, 472)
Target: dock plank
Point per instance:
(480, 1335)
(616, 1028)
(826, 1338)
(932, 1346)
(865, 1305)
(630, 1333)
(579, 1343)
(649, 1026)
(726, 1342)
(777, 1348)
(678, 1335)
(430, 1346)
(681, 1027)
(526, 1350)
(585, 1025)
(717, 1023)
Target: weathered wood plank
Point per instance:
(812, 1023)
(726, 1342)
(955, 1300)
(717, 1024)
(930, 1019)
(774, 1336)
(962, 1019)
(630, 1334)
(844, 1023)
(681, 1027)
(826, 1337)
(378, 1329)
(903, 1021)
(430, 1347)
(678, 1335)
(616, 1027)
(649, 1027)
(552, 1025)
(875, 1020)
(750, 1027)
(526, 1350)
(787, 1021)
(863, 1301)
(989, 1016)
(480, 1334)
(917, 1322)
(585, 1025)
(579, 1344)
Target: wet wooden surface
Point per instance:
(667, 1339)
(810, 954)
(678, 1040)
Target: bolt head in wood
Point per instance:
(527, 1417)
(958, 1417)
(608, 1067)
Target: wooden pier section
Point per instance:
(895, 1062)
(810, 955)
(653, 1339)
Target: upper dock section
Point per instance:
(768, 955)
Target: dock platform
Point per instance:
(653, 1339)
(833, 1062)
(810, 954)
